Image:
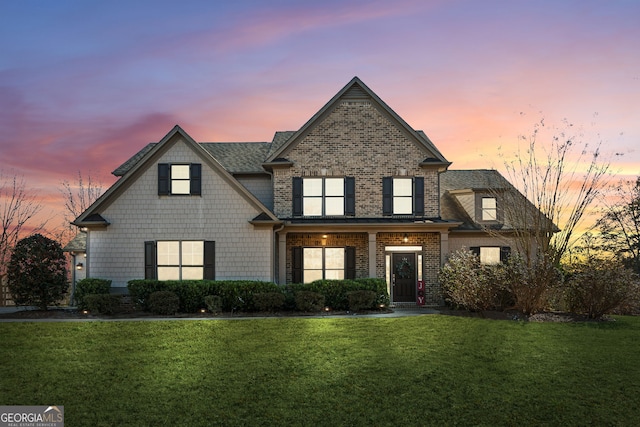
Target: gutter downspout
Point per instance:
(276, 265)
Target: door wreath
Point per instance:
(403, 269)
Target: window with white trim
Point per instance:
(489, 255)
(179, 179)
(402, 196)
(323, 196)
(323, 263)
(180, 260)
(489, 209)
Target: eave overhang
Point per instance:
(92, 221)
(433, 163)
(392, 225)
(278, 163)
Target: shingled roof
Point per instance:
(239, 157)
(472, 179)
(126, 166)
(483, 180)
(235, 157)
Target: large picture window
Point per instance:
(180, 260)
(323, 196)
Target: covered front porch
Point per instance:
(408, 257)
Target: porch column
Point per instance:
(372, 254)
(444, 246)
(282, 257)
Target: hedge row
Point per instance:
(87, 287)
(240, 295)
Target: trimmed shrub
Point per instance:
(101, 303)
(244, 295)
(139, 291)
(164, 303)
(309, 301)
(268, 301)
(598, 287)
(235, 295)
(238, 295)
(361, 300)
(335, 291)
(90, 286)
(379, 286)
(213, 303)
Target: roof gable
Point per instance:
(148, 155)
(357, 90)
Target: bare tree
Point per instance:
(619, 225)
(78, 196)
(562, 179)
(18, 212)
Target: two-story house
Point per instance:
(355, 192)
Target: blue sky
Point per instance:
(86, 84)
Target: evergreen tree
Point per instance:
(37, 272)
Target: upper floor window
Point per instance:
(489, 209)
(179, 179)
(323, 196)
(403, 196)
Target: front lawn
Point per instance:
(426, 370)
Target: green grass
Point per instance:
(427, 370)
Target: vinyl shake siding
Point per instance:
(220, 215)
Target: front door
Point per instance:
(404, 277)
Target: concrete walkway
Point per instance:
(397, 312)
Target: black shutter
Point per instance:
(505, 253)
(163, 179)
(150, 271)
(475, 250)
(350, 196)
(209, 272)
(350, 263)
(387, 195)
(296, 264)
(297, 196)
(418, 195)
(195, 177)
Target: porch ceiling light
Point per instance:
(405, 239)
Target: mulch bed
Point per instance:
(63, 313)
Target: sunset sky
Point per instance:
(86, 84)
